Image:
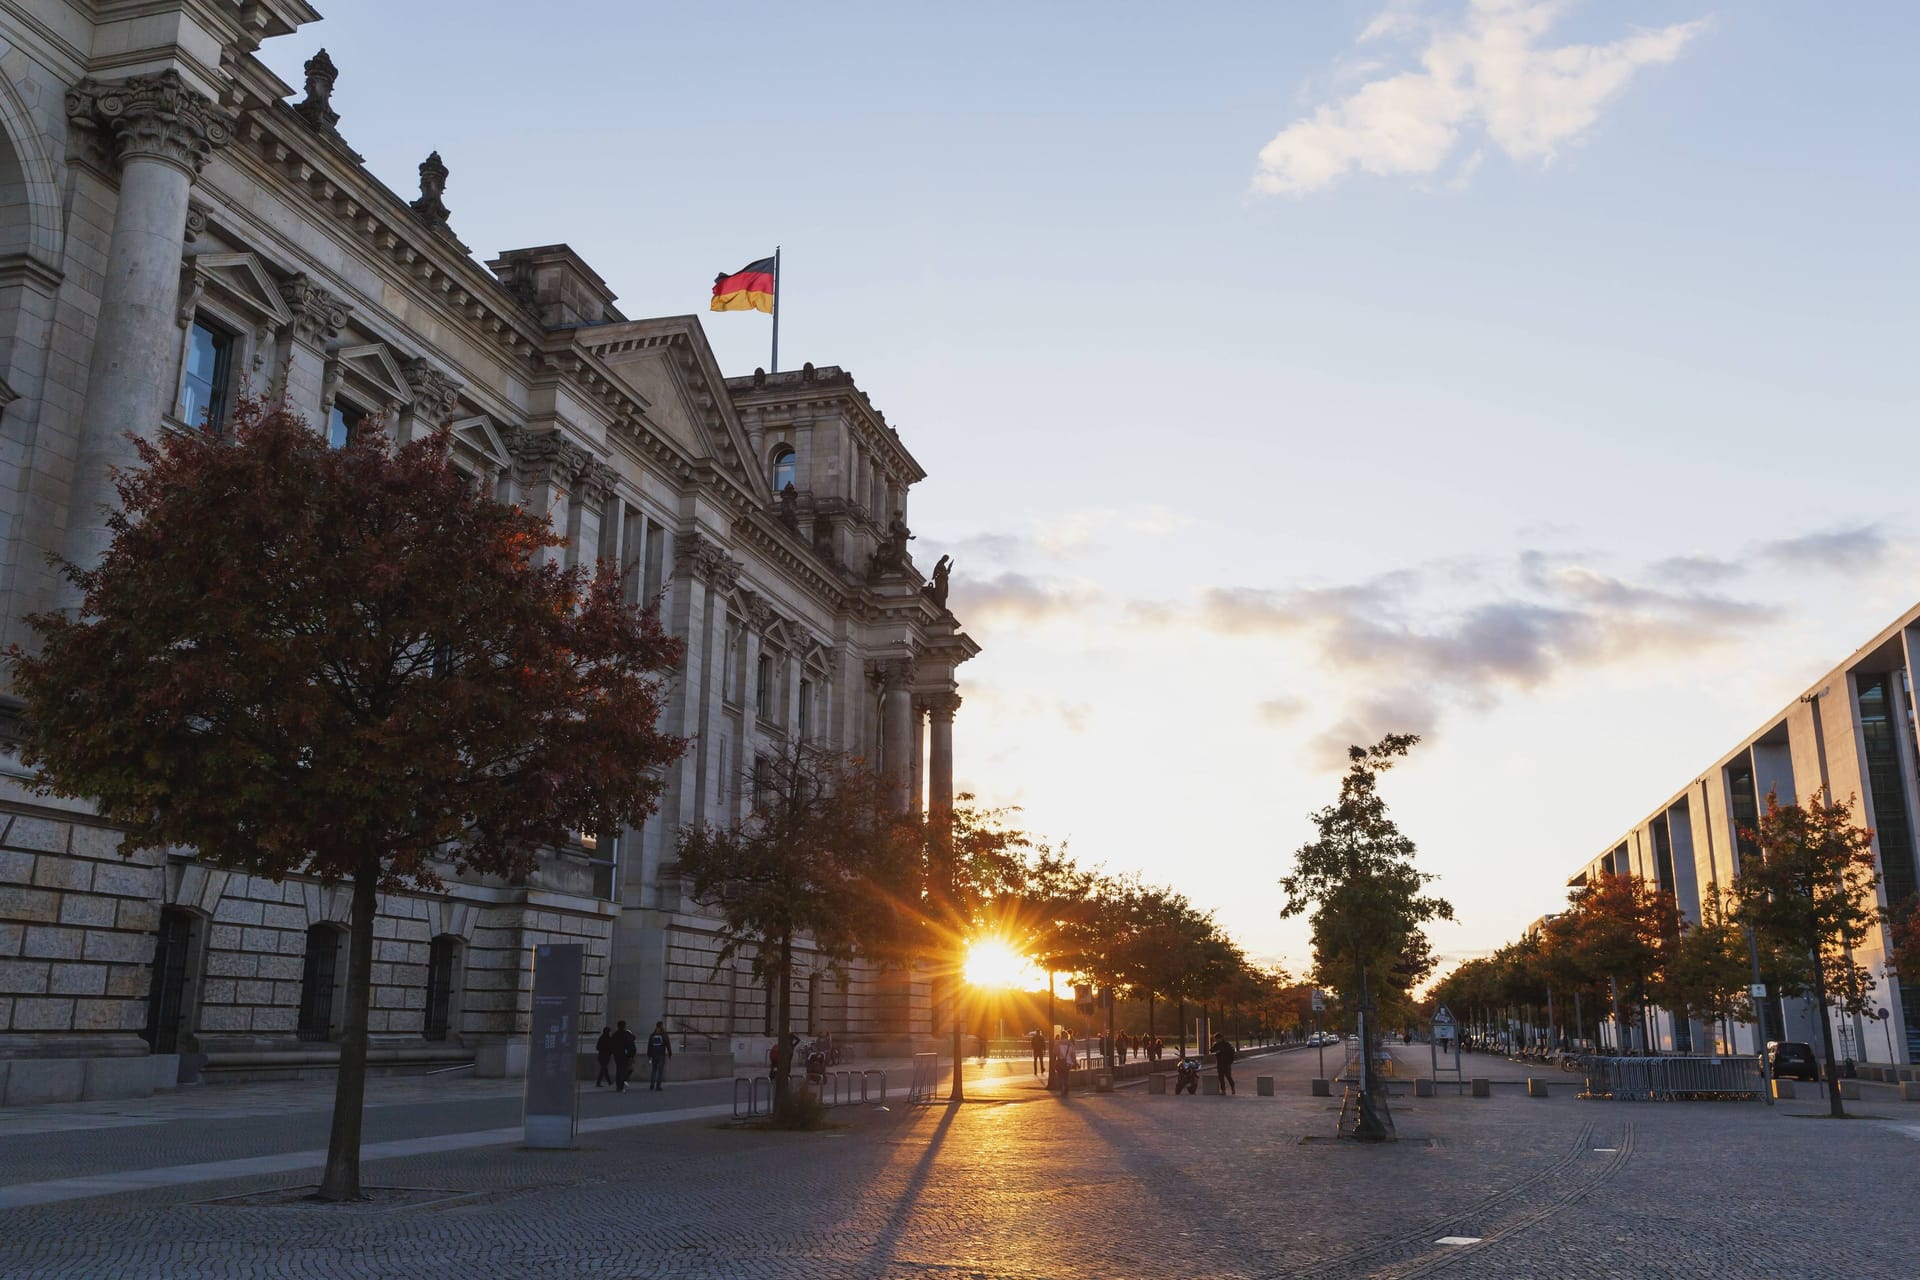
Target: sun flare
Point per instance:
(992, 962)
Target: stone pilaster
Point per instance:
(159, 132)
(435, 397)
(300, 377)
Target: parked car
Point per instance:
(1793, 1060)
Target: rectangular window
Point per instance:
(1886, 786)
(203, 398)
(1663, 854)
(1746, 810)
(805, 727)
(762, 686)
(343, 424)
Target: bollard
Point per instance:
(1536, 1087)
(1263, 1086)
(1782, 1089)
(1157, 1084)
(1322, 1089)
(1910, 1091)
(1210, 1086)
(1850, 1089)
(1482, 1087)
(1422, 1088)
(1102, 1080)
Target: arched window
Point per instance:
(169, 995)
(783, 469)
(321, 981)
(443, 986)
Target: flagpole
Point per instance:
(776, 311)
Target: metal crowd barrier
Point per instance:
(844, 1088)
(926, 1078)
(1674, 1079)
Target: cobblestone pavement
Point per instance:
(1126, 1184)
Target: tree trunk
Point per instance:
(1183, 1026)
(1051, 1022)
(1834, 1107)
(1371, 1123)
(341, 1181)
(782, 1017)
(1149, 1014)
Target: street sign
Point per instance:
(1443, 1015)
(1083, 997)
(551, 1108)
(1758, 991)
(1319, 1000)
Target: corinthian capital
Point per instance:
(435, 395)
(318, 315)
(156, 117)
(941, 706)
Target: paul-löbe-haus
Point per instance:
(1853, 732)
(182, 228)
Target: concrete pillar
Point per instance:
(940, 709)
(161, 132)
(917, 763)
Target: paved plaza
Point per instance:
(1016, 1183)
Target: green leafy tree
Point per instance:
(348, 664)
(1366, 898)
(1809, 896)
(820, 855)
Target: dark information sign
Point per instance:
(552, 1102)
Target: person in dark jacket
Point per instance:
(1223, 1056)
(603, 1050)
(625, 1049)
(659, 1049)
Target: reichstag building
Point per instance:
(180, 228)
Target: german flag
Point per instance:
(748, 289)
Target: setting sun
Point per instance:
(992, 962)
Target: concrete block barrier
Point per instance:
(1210, 1086)
(1422, 1088)
(1482, 1087)
(1156, 1084)
(1783, 1089)
(1263, 1086)
(1536, 1087)
(1322, 1089)
(1910, 1091)
(1849, 1088)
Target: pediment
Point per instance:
(242, 280)
(667, 363)
(479, 435)
(375, 366)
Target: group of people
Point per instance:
(617, 1048)
(1058, 1057)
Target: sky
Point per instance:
(1537, 377)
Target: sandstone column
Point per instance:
(940, 709)
(896, 730)
(161, 132)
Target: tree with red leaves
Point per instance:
(349, 664)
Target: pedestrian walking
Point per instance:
(603, 1050)
(1039, 1043)
(1223, 1056)
(659, 1049)
(625, 1049)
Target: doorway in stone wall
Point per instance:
(167, 993)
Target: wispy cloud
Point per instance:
(1859, 547)
(1076, 530)
(1488, 69)
(1017, 597)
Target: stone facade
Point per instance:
(179, 228)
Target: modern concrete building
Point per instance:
(179, 228)
(1852, 732)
